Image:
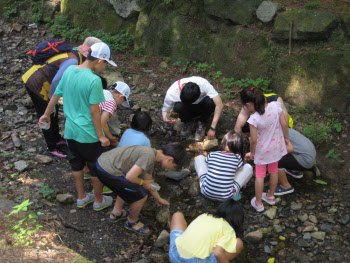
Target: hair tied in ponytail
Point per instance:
(252, 88)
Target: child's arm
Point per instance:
(253, 140)
(46, 116)
(96, 119)
(104, 119)
(241, 120)
(154, 193)
(284, 125)
(219, 253)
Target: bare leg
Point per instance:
(259, 187)
(282, 177)
(79, 183)
(97, 185)
(239, 248)
(118, 207)
(273, 184)
(135, 209)
(178, 221)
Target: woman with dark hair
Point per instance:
(222, 173)
(209, 238)
(140, 124)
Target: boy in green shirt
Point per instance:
(82, 91)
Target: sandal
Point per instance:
(270, 200)
(259, 208)
(142, 231)
(118, 217)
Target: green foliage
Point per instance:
(202, 67)
(334, 156)
(332, 121)
(216, 75)
(62, 28)
(179, 63)
(167, 1)
(2, 188)
(23, 229)
(143, 62)
(318, 133)
(227, 82)
(46, 192)
(229, 94)
(138, 52)
(140, 90)
(5, 154)
(313, 4)
(166, 59)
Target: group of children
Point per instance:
(127, 169)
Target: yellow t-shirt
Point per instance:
(203, 235)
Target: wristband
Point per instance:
(141, 182)
(213, 129)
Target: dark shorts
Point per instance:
(80, 154)
(272, 98)
(289, 162)
(126, 190)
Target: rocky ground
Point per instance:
(309, 225)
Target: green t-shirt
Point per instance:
(79, 88)
(121, 159)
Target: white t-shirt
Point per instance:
(173, 93)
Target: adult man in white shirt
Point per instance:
(195, 99)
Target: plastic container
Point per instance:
(45, 126)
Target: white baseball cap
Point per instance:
(124, 89)
(102, 51)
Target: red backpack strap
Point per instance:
(179, 84)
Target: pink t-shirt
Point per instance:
(270, 146)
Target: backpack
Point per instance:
(48, 49)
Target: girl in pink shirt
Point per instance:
(268, 140)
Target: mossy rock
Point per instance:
(96, 15)
(318, 80)
(307, 25)
(241, 12)
(346, 24)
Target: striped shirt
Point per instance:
(218, 183)
(109, 104)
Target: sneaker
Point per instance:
(200, 132)
(106, 202)
(57, 153)
(61, 142)
(90, 197)
(295, 174)
(87, 176)
(187, 128)
(259, 208)
(105, 190)
(270, 200)
(281, 191)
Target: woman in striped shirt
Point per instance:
(222, 173)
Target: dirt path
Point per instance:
(310, 225)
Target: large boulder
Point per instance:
(266, 11)
(127, 8)
(318, 80)
(241, 12)
(306, 24)
(95, 15)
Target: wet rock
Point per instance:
(310, 207)
(113, 76)
(136, 107)
(21, 165)
(16, 141)
(178, 175)
(266, 231)
(10, 107)
(114, 125)
(27, 102)
(267, 249)
(307, 236)
(4, 127)
(326, 228)
(318, 235)
(65, 198)
(303, 243)
(210, 144)
(178, 126)
(151, 87)
(15, 69)
(266, 11)
(162, 239)
(142, 261)
(344, 220)
(303, 258)
(157, 256)
(194, 189)
(163, 216)
(278, 228)
(6, 206)
(254, 237)
(44, 159)
(303, 217)
(296, 206)
(271, 213)
(313, 219)
(135, 80)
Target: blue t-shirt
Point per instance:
(134, 137)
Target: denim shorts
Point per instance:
(175, 256)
